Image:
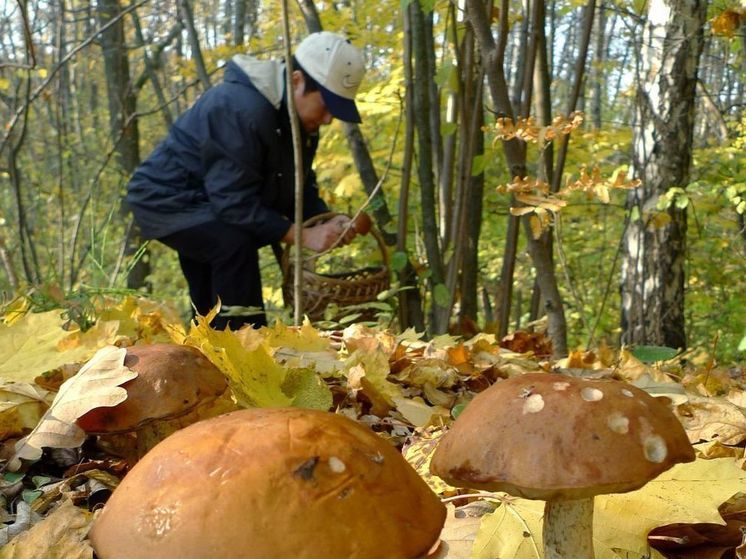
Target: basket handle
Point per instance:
(326, 216)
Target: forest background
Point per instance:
(633, 214)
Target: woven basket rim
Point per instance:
(343, 288)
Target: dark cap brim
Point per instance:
(340, 107)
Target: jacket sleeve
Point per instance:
(233, 155)
(312, 202)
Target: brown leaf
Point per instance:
(709, 419)
(61, 535)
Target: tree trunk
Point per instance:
(653, 267)
(187, 16)
(122, 123)
(599, 74)
(422, 80)
(245, 13)
(515, 153)
(475, 194)
(411, 313)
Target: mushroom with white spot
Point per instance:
(588, 437)
(271, 482)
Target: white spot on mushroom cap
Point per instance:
(590, 394)
(655, 448)
(618, 423)
(533, 404)
(377, 458)
(157, 522)
(560, 386)
(336, 465)
(627, 393)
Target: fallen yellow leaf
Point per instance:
(29, 346)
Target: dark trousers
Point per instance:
(220, 261)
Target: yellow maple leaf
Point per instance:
(140, 319)
(307, 389)
(36, 343)
(418, 452)
(255, 377)
(15, 310)
(305, 338)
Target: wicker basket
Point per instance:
(340, 288)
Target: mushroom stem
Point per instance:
(568, 529)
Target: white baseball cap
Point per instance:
(338, 67)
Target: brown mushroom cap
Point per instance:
(171, 380)
(550, 436)
(362, 224)
(280, 482)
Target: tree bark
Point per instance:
(410, 310)
(185, 9)
(515, 153)
(122, 124)
(599, 74)
(422, 80)
(653, 267)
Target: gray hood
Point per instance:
(268, 76)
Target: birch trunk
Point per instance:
(653, 268)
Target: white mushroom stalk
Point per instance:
(568, 529)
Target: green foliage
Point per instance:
(72, 183)
(442, 295)
(653, 354)
(399, 261)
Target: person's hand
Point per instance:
(325, 235)
(346, 226)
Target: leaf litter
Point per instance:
(406, 388)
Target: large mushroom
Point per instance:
(562, 440)
(270, 483)
(176, 385)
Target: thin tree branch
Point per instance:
(10, 126)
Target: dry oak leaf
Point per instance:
(96, 385)
(713, 419)
(61, 535)
(459, 530)
(368, 371)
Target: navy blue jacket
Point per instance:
(229, 157)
